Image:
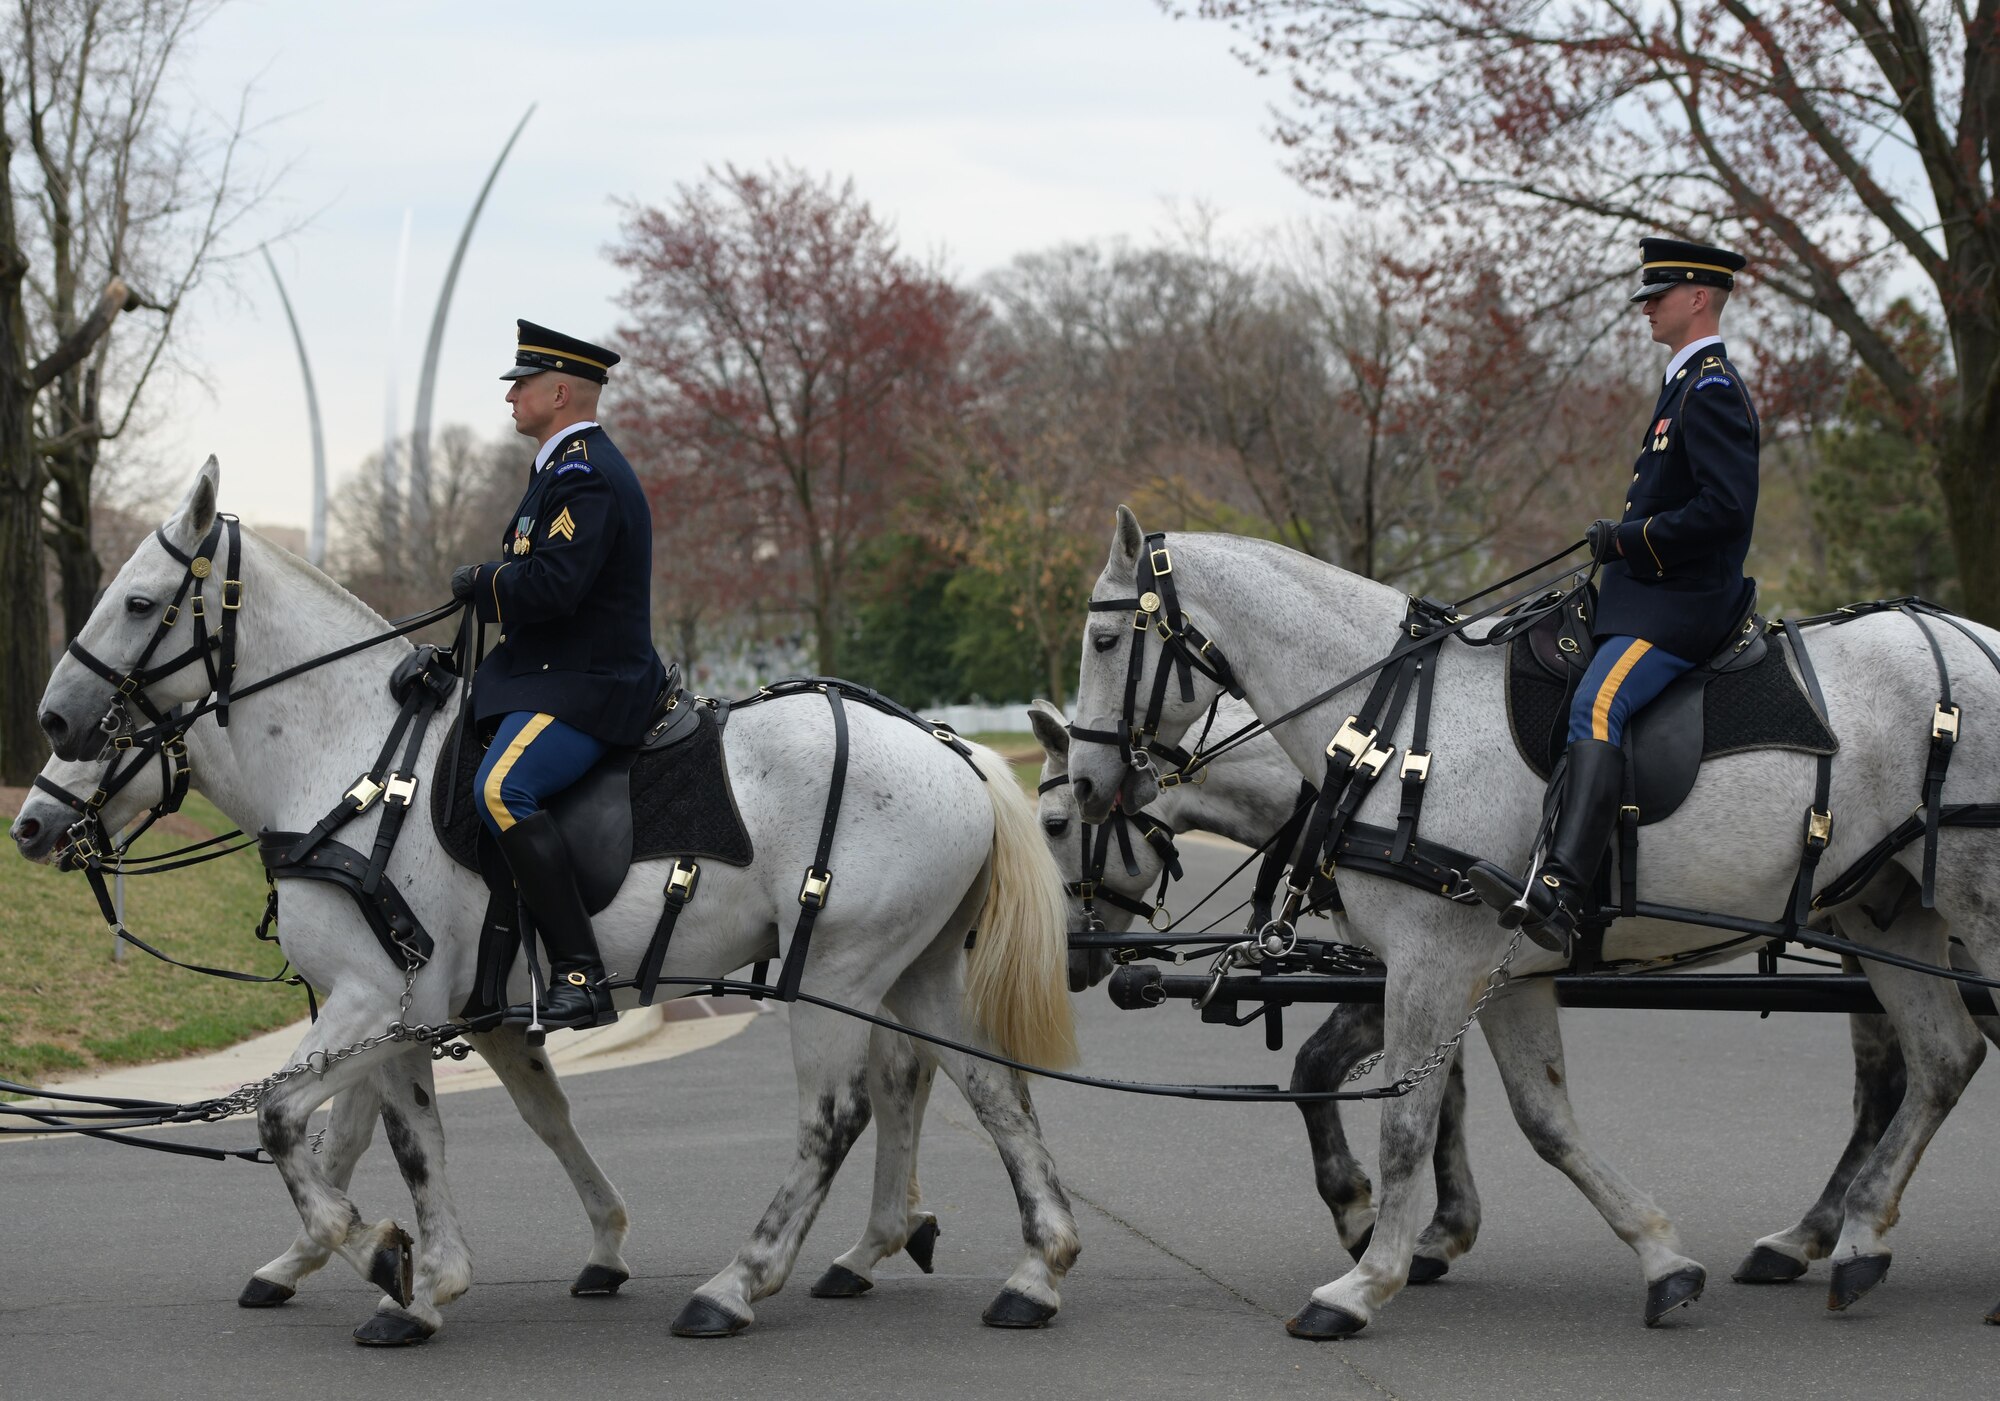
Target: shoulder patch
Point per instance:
(572, 467)
(1707, 380)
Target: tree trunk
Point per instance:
(1966, 475)
(24, 607)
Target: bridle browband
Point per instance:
(1094, 847)
(1185, 650)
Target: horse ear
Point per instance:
(1127, 541)
(189, 524)
(1051, 730)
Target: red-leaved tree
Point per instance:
(1837, 143)
(786, 348)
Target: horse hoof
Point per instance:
(1317, 1323)
(704, 1318)
(1767, 1266)
(598, 1280)
(1425, 1268)
(262, 1294)
(1674, 1291)
(390, 1271)
(839, 1282)
(388, 1329)
(1854, 1277)
(922, 1244)
(1015, 1310)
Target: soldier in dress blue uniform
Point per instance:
(1672, 586)
(575, 672)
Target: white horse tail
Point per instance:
(1017, 975)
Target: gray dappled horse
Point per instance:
(934, 852)
(529, 1077)
(1245, 795)
(1289, 625)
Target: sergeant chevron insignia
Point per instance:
(564, 525)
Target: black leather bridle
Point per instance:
(1184, 650)
(1094, 848)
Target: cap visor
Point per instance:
(1654, 289)
(522, 371)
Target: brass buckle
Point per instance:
(197, 608)
(400, 789)
(121, 741)
(1086, 890)
(1162, 562)
(1350, 741)
(1629, 810)
(681, 880)
(1171, 780)
(1417, 765)
(232, 594)
(97, 800)
(129, 686)
(1944, 723)
(364, 792)
(1819, 827)
(82, 848)
(577, 980)
(813, 893)
(1141, 620)
(170, 617)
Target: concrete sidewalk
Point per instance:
(659, 1032)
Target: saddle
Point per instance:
(1746, 696)
(669, 796)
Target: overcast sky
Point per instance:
(982, 128)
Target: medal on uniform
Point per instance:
(1660, 434)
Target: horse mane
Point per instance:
(318, 588)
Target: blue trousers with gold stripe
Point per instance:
(1624, 674)
(532, 758)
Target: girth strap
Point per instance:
(1819, 817)
(818, 877)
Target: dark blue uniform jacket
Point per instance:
(575, 603)
(1686, 527)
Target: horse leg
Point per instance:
(830, 1055)
(1353, 1031)
(1425, 1005)
(350, 1127)
(1942, 1049)
(928, 999)
(443, 1263)
(379, 1253)
(899, 1081)
(530, 1081)
(1525, 1035)
(1879, 1081)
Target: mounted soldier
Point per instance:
(1672, 587)
(575, 672)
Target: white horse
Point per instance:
(1245, 795)
(934, 850)
(528, 1075)
(1289, 625)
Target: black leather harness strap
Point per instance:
(1819, 817)
(819, 876)
(396, 927)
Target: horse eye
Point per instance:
(1056, 826)
(1104, 641)
(138, 605)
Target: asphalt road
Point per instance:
(1201, 1229)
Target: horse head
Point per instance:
(146, 635)
(1146, 675)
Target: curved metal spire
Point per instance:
(316, 533)
(420, 439)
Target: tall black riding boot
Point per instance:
(576, 996)
(1591, 780)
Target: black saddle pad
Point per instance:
(682, 804)
(1759, 707)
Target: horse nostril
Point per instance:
(53, 725)
(26, 830)
(1081, 787)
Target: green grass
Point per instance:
(67, 1006)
